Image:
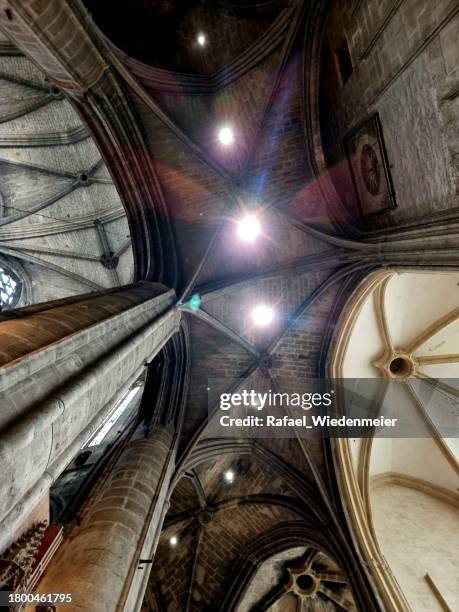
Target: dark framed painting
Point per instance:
(367, 157)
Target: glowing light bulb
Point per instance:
(201, 38)
(173, 541)
(249, 228)
(262, 315)
(226, 136)
(229, 476)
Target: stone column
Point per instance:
(99, 564)
(62, 365)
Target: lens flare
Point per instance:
(195, 302)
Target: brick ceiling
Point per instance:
(258, 71)
(162, 33)
(249, 74)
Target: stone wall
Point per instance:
(416, 533)
(404, 61)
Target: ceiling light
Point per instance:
(201, 38)
(226, 136)
(229, 476)
(248, 228)
(173, 541)
(262, 315)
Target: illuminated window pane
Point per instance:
(9, 289)
(113, 418)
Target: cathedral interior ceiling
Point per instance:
(61, 216)
(63, 219)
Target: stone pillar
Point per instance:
(99, 564)
(62, 365)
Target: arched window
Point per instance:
(10, 288)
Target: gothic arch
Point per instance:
(421, 343)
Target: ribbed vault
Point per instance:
(62, 219)
(154, 118)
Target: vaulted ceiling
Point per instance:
(62, 224)
(164, 33)
(162, 102)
